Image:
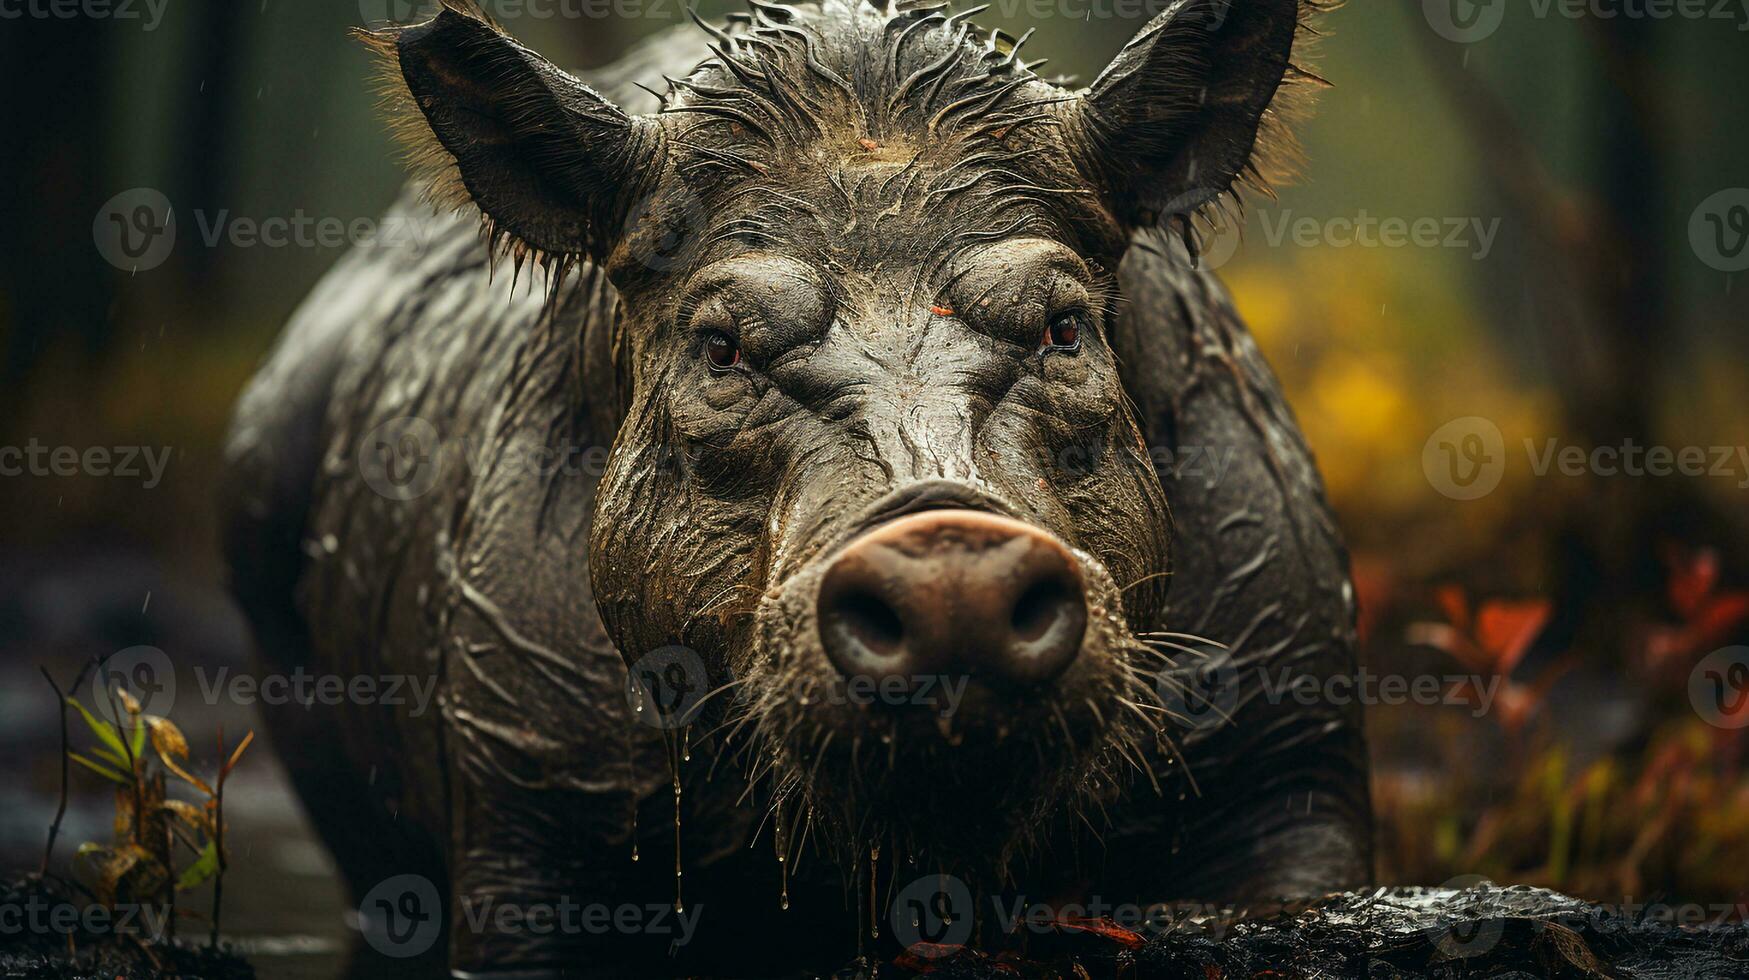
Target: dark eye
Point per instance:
(1064, 332)
(721, 351)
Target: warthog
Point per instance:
(838, 386)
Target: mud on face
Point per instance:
(876, 439)
(902, 521)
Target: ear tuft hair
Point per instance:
(483, 122)
(1199, 110)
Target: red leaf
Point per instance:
(1103, 928)
(928, 957)
(1693, 575)
(1506, 629)
(1454, 604)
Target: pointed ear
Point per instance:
(1174, 121)
(551, 164)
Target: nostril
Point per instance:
(869, 620)
(1042, 606)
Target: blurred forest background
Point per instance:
(1597, 312)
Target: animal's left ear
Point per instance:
(1173, 122)
(550, 163)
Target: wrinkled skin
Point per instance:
(892, 332)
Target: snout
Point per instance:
(953, 592)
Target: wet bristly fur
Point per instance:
(910, 81)
(873, 147)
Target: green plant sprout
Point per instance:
(142, 864)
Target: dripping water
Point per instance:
(632, 784)
(874, 908)
(673, 742)
(779, 837)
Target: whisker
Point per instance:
(1145, 579)
(1192, 637)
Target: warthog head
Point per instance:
(877, 464)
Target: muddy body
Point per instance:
(530, 779)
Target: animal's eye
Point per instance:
(1064, 332)
(721, 351)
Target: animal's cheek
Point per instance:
(711, 415)
(729, 391)
(1075, 398)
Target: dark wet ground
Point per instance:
(284, 906)
(283, 902)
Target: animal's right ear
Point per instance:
(550, 163)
